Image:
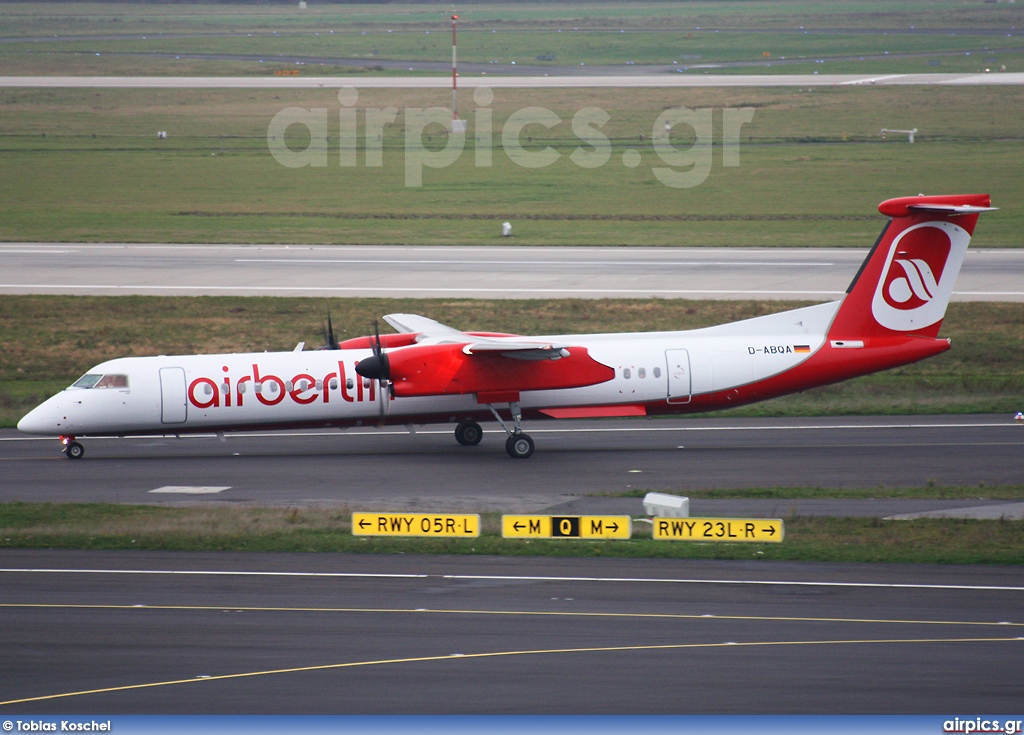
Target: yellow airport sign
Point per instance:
(586, 527)
(759, 530)
(416, 524)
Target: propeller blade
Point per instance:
(377, 366)
(330, 341)
(383, 401)
(376, 341)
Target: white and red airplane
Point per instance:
(431, 373)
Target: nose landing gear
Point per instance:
(72, 449)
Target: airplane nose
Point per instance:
(41, 420)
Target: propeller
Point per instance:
(330, 341)
(377, 367)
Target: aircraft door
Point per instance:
(678, 363)
(173, 405)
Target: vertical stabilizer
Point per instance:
(906, 281)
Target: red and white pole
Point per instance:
(455, 101)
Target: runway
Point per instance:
(575, 462)
(691, 79)
(467, 272)
(169, 633)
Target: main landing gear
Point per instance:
(72, 449)
(468, 433)
(518, 445)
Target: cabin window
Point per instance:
(626, 373)
(657, 372)
(102, 381)
(334, 384)
(641, 373)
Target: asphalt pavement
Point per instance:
(168, 633)
(468, 272)
(575, 464)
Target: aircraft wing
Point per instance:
(433, 332)
(427, 328)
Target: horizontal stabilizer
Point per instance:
(952, 208)
(948, 204)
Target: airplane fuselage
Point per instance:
(650, 373)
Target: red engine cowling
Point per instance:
(435, 370)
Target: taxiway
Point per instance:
(137, 632)
(390, 468)
(467, 272)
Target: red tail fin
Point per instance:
(906, 281)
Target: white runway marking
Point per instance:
(46, 251)
(376, 290)
(213, 573)
(857, 254)
(523, 578)
(442, 81)
(575, 263)
(768, 582)
(418, 289)
(190, 489)
(536, 430)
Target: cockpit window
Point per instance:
(87, 381)
(112, 381)
(93, 380)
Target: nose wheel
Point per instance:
(72, 449)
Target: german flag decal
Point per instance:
(801, 348)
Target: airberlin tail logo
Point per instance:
(919, 272)
(916, 286)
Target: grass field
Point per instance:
(86, 165)
(133, 39)
(592, 48)
(98, 526)
(50, 341)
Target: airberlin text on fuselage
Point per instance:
(270, 389)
